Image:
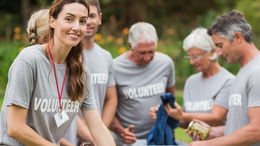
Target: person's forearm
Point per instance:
(82, 131)
(116, 127)
(64, 142)
(28, 136)
(19, 130)
(244, 136)
(214, 118)
(98, 130)
(205, 117)
(110, 105)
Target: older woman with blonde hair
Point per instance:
(206, 93)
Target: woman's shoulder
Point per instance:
(32, 51)
(32, 54)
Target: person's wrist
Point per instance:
(118, 131)
(86, 144)
(185, 117)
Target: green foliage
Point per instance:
(8, 22)
(207, 19)
(1, 102)
(8, 52)
(251, 11)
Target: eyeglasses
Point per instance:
(195, 57)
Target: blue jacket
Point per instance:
(162, 131)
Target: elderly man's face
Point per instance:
(144, 53)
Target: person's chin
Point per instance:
(88, 35)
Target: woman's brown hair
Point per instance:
(75, 58)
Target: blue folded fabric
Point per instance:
(162, 132)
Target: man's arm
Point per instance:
(171, 89)
(127, 134)
(110, 104)
(246, 135)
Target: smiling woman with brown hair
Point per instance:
(48, 84)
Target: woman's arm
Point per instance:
(19, 130)
(98, 130)
(83, 132)
(217, 116)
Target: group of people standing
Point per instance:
(66, 90)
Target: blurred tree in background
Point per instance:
(173, 19)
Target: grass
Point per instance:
(180, 134)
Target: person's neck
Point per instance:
(249, 53)
(88, 43)
(212, 70)
(130, 56)
(59, 52)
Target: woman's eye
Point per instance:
(69, 19)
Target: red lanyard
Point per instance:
(59, 94)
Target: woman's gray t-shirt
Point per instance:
(31, 85)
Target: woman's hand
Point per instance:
(175, 113)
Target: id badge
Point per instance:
(61, 117)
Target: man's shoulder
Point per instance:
(101, 52)
(100, 49)
(120, 57)
(162, 55)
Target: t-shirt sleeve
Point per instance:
(223, 95)
(253, 88)
(20, 83)
(111, 76)
(89, 102)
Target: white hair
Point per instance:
(142, 32)
(199, 38)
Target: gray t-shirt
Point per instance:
(139, 88)
(244, 94)
(99, 62)
(32, 85)
(100, 65)
(201, 94)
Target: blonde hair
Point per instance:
(38, 27)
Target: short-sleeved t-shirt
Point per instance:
(201, 94)
(99, 62)
(139, 88)
(244, 94)
(32, 86)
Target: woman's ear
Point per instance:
(52, 22)
(214, 54)
(213, 50)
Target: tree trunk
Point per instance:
(25, 12)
